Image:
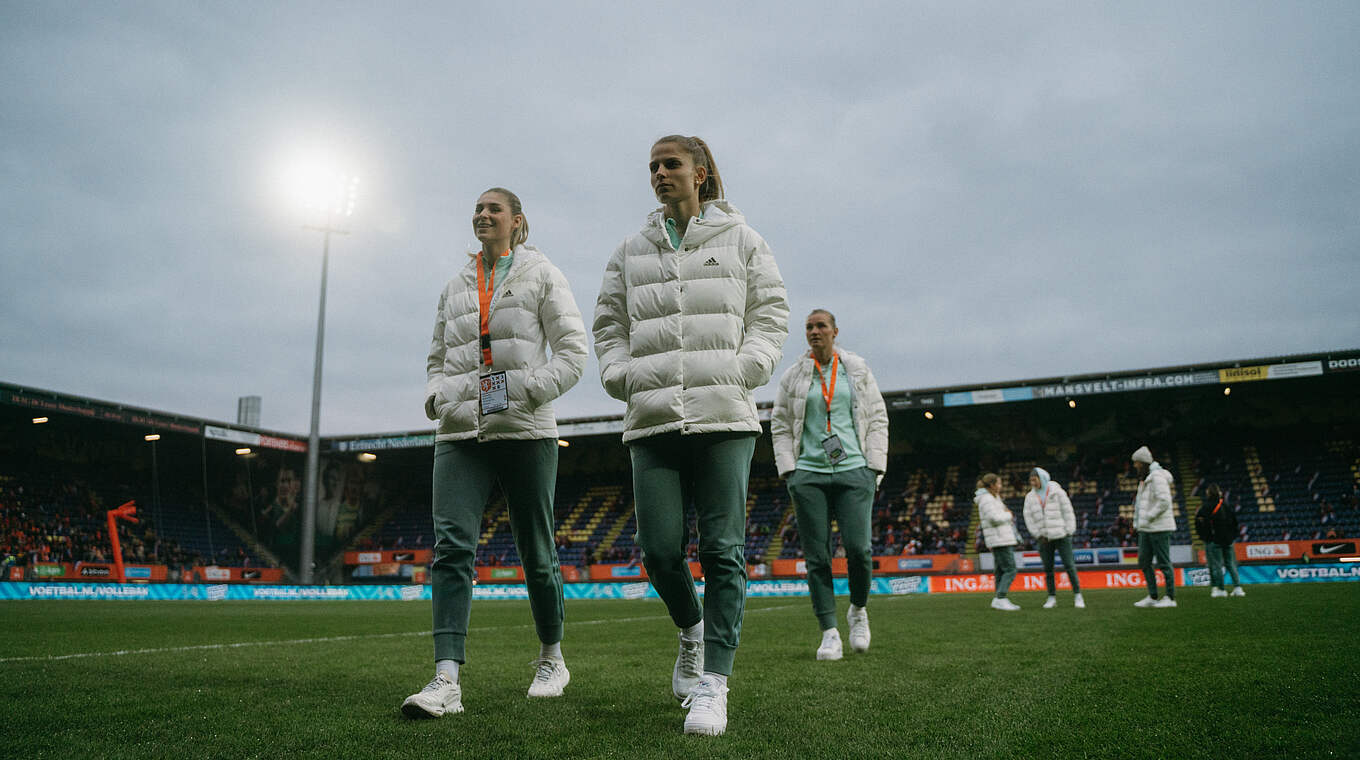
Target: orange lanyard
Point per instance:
(1218, 507)
(486, 285)
(1043, 500)
(827, 394)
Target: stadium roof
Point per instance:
(1071, 386)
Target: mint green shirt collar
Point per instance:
(674, 234)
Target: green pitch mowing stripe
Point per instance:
(1269, 675)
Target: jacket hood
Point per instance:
(1042, 474)
(716, 216)
(1157, 470)
(978, 494)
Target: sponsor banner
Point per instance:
(991, 396)
(1269, 372)
(913, 563)
(1114, 555)
(1322, 549)
(919, 401)
(405, 556)
(214, 573)
(1090, 579)
(45, 570)
(596, 427)
(385, 443)
(1127, 384)
(97, 411)
(1347, 364)
(1294, 369)
(246, 438)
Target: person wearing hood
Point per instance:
(829, 428)
(490, 387)
(1050, 519)
(1217, 527)
(691, 319)
(1155, 521)
(998, 533)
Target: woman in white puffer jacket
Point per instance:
(829, 428)
(1050, 520)
(691, 319)
(998, 533)
(490, 385)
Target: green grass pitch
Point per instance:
(1271, 675)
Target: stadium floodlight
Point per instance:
(562, 443)
(39, 420)
(244, 450)
(930, 415)
(1071, 403)
(152, 437)
(368, 457)
(333, 194)
(1227, 390)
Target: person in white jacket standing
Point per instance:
(691, 319)
(490, 387)
(998, 533)
(1050, 519)
(1155, 520)
(829, 427)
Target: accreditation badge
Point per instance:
(495, 393)
(833, 448)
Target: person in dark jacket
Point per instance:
(1217, 526)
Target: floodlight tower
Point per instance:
(337, 209)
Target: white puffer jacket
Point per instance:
(1152, 509)
(1052, 516)
(998, 524)
(532, 310)
(866, 405)
(685, 335)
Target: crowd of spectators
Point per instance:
(65, 522)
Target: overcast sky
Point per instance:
(980, 193)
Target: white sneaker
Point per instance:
(1218, 592)
(1005, 605)
(550, 677)
(707, 703)
(689, 666)
(1080, 603)
(1146, 601)
(858, 618)
(1238, 591)
(1051, 602)
(439, 696)
(1165, 601)
(830, 648)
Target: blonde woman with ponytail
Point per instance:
(508, 340)
(691, 319)
(998, 533)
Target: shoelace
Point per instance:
(439, 682)
(546, 667)
(689, 656)
(702, 695)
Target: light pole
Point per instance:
(337, 209)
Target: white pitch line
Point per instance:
(328, 639)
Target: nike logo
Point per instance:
(712, 262)
(1333, 549)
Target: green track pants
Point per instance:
(1064, 548)
(710, 470)
(464, 473)
(1154, 550)
(848, 498)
